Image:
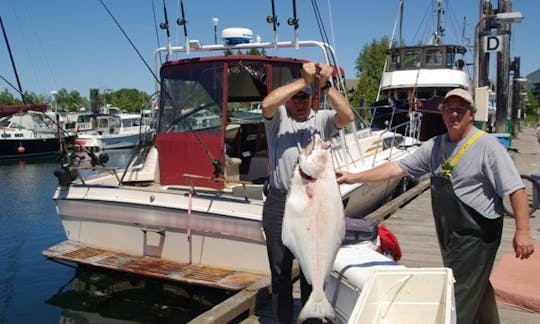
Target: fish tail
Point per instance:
(317, 309)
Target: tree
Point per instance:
(131, 100)
(369, 66)
(69, 101)
(6, 98)
(532, 107)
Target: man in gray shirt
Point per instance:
(470, 172)
(290, 123)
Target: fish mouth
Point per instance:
(305, 176)
(319, 142)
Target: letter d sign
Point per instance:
(493, 43)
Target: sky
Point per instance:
(76, 45)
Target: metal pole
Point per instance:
(516, 96)
(215, 22)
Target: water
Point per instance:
(34, 289)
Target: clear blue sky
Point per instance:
(75, 45)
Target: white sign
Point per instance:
(493, 43)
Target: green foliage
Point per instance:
(369, 66)
(6, 98)
(131, 100)
(532, 108)
(256, 51)
(69, 101)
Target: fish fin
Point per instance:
(317, 309)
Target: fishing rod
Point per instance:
(274, 21)
(215, 162)
(165, 25)
(183, 22)
(293, 21)
(324, 36)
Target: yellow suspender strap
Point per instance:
(465, 147)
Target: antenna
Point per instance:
(274, 20)
(293, 21)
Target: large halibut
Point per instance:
(314, 223)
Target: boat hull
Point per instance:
(29, 148)
(165, 228)
(103, 142)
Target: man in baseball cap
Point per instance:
(470, 173)
(460, 93)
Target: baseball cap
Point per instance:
(461, 93)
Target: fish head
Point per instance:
(315, 158)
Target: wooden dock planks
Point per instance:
(153, 267)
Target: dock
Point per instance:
(410, 218)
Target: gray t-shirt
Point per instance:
(483, 174)
(287, 137)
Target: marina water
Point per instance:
(34, 289)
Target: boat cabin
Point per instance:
(208, 118)
(425, 57)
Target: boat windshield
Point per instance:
(197, 95)
(191, 97)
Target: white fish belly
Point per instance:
(314, 224)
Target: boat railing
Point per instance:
(326, 50)
(393, 139)
(394, 136)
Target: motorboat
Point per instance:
(110, 131)
(188, 205)
(414, 81)
(30, 133)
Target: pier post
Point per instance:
(503, 70)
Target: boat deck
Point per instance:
(413, 225)
(153, 267)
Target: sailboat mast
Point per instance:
(400, 23)
(439, 31)
(12, 61)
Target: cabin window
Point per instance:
(411, 58)
(434, 57)
(191, 97)
(6, 135)
(450, 60)
(247, 81)
(395, 62)
(18, 135)
(281, 74)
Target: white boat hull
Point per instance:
(112, 141)
(163, 228)
(222, 229)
